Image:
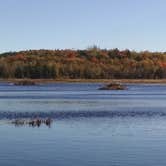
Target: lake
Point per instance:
(90, 127)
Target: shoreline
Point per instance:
(135, 81)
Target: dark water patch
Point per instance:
(80, 114)
(81, 96)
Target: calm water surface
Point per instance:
(90, 128)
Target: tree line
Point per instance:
(91, 63)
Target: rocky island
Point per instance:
(113, 86)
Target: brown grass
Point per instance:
(144, 81)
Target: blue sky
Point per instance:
(58, 24)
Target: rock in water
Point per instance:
(113, 86)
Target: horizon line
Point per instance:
(89, 47)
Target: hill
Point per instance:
(92, 63)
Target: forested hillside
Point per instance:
(92, 63)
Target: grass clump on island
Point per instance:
(113, 86)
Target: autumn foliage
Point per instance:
(92, 63)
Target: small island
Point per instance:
(113, 86)
(25, 83)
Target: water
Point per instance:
(90, 127)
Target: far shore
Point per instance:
(134, 81)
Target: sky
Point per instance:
(77, 24)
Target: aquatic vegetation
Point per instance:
(32, 122)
